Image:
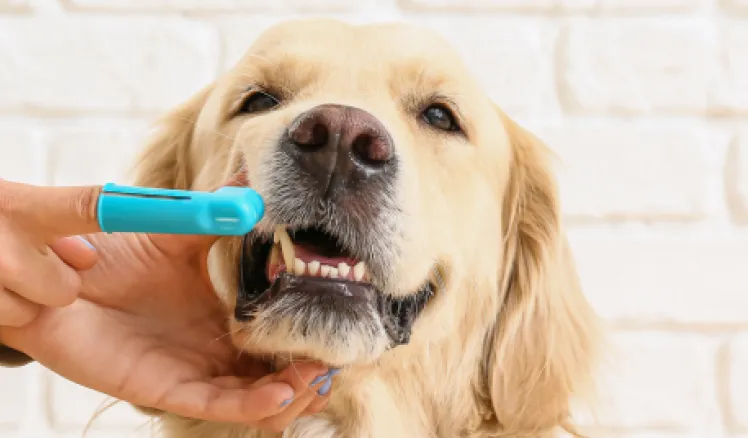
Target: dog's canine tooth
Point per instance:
(343, 269)
(275, 255)
(333, 272)
(298, 267)
(324, 271)
(359, 270)
(287, 250)
(313, 267)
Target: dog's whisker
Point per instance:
(228, 333)
(243, 347)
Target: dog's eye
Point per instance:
(440, 117)
(259, 101)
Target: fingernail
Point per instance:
(286, 402)
(319, 379)
(325, 388)
(334, 372)
(88, 244)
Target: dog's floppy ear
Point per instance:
(165, 161)
(541, 351)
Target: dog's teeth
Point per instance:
(324, 271)
(313, 267)
(287, 250)
(344, 269)
(298, 267)
(359, 270)
(333, 272)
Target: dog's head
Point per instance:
(402, 207)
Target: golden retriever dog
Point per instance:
(412, 236)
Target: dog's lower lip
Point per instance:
(286, 283)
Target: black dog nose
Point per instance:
(338, 145)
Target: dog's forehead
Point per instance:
(329, 35)
(332, 44)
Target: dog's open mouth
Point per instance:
(313, 253)
(312, 265)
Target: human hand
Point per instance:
(148, 329)
(39, 264)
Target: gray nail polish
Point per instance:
(334, 372)
(325, 388)
(88, 244)
(286, 402)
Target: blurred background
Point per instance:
(644, 101)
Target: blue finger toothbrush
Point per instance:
(229, 211)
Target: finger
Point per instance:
(38, 276)
(321, 395)
(58, 211)
(210, 402)
(279, 422)
(233, 382)
(188, 244)
(226, 399)
(300, 375)
(318, 404)
(16, 311)
(308, 380)
(76, 252)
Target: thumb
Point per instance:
(51, 211)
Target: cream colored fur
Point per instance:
(510, 339)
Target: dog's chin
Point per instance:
(307, 298)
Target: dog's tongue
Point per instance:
(308, 254)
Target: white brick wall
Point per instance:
(645, 101)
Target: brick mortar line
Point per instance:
(362, 11)
(678, 328)
(73, 121)
(20, 11)
(181, 11)
(595, 11)
(723, 379)
(731, 179)
(401, 8)
(43, 114)
(551, 119)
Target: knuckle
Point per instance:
(24, 316)
(317, 407)
(86, 202)
(11, 267)
(11, 207)
(15, 311)
(70, 289)
(6, 203)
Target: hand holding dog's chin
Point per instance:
(149, 330)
